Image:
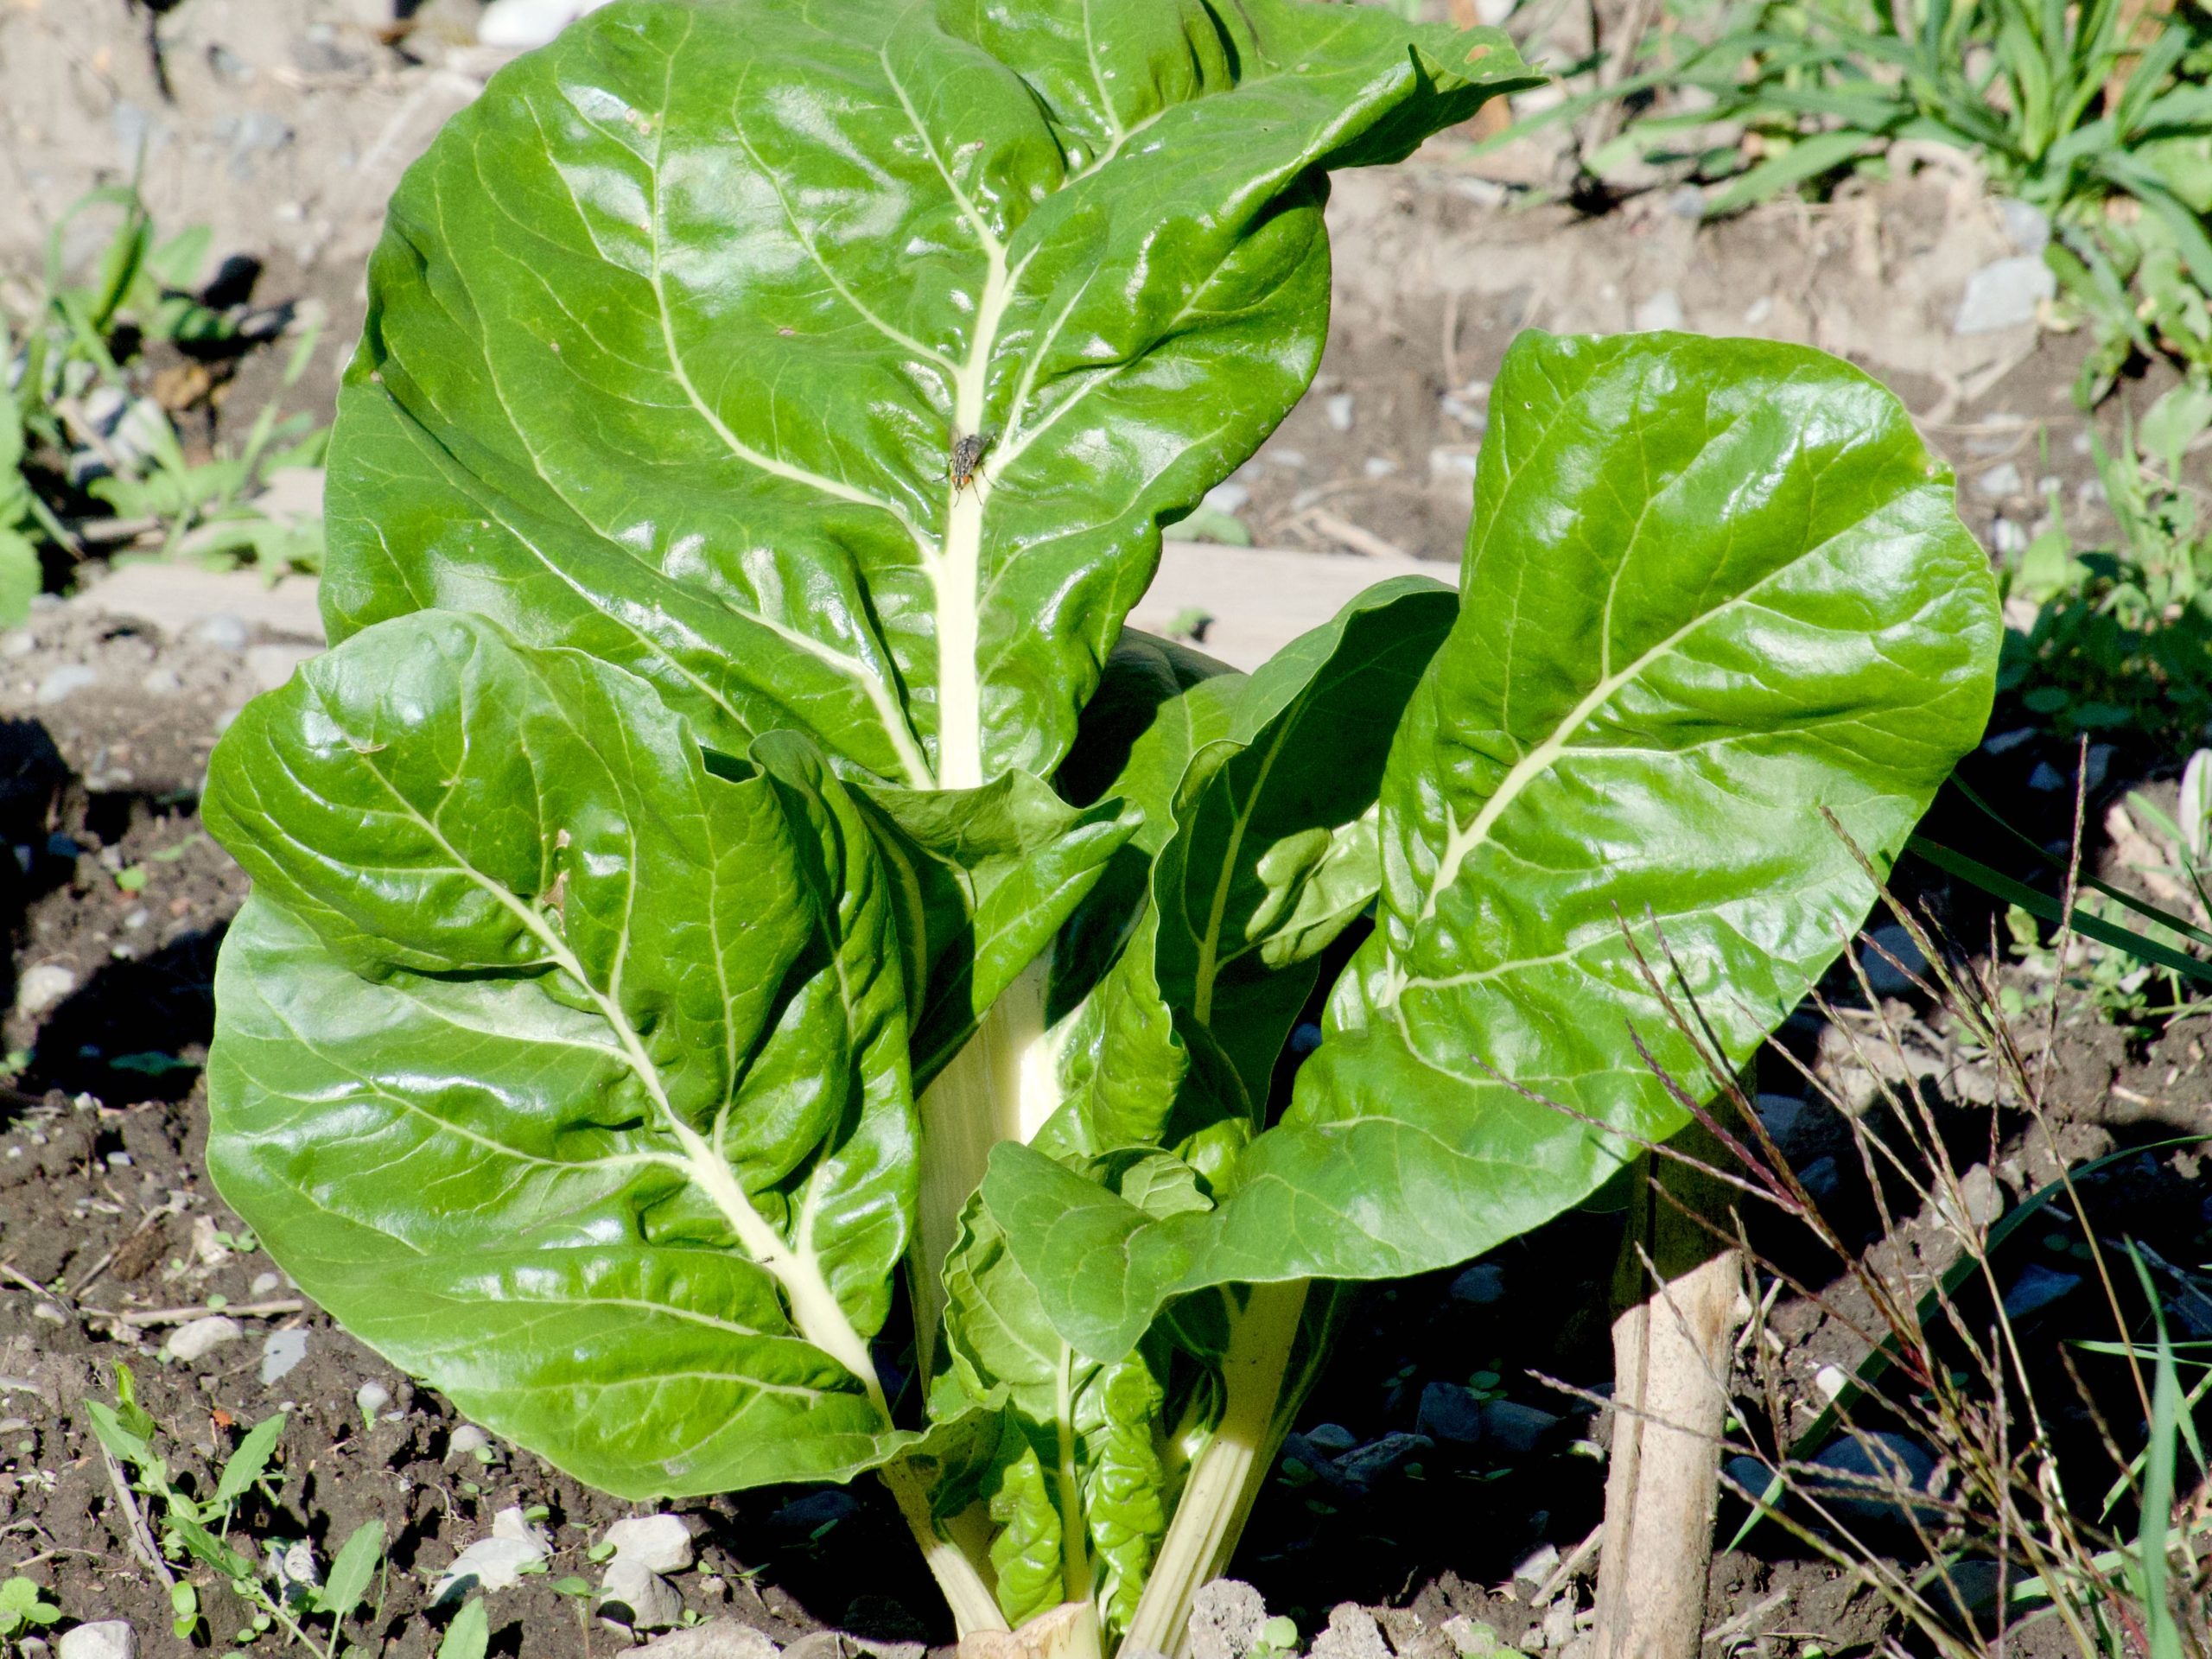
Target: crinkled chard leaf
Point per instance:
(1080, 1447)
(1710, 588)
(1261, 856)
(673, 333)
(566, 1072)
(984, 878)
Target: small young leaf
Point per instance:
(128, 1411)
(249, 1462)
(109, 1429)
(468, 1635)
(351, 1571)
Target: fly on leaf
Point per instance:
(967, 455)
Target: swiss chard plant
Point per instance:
(754, 974)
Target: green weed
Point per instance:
(2068, 108)
(199, 1529)
(92, 464)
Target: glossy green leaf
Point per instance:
(568, 1073)
(1711, 589)
(985, 877)
(673, 332)
(1080, 1445)
(1265, 856)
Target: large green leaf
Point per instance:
(1261, 853)
(672, 332)
(985, 878)
(565, 1072)
(1712, 588)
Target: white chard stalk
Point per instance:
(1226, 1477)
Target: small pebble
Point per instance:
(223, 631)
(718, 1638)
(198, 1338)
(1480, 1285)
(1380, 467)
(1831, 1381)
(110, 1638)
(2036, 1288)
(1538, 1565)
(1338, 409)
(160, 682)
(2005, 294)
(1870, 1462)
(1887, 950)
(659, 1543)
(44, 986)
(2001, 482)
(282, 1352)
(263, 1283)
(467, 1441)
(65, 682)
(632, 1599)
(1659, 313)
(372, 1398)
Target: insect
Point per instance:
(967, 456)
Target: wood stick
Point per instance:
(1679, 1292)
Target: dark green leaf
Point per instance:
(1710, 588)
(672, 332)
(557, 1066)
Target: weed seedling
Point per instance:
(199, 1529)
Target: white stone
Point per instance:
(44, 986)
(264, 1284)
(1659, 313)
(64, 683)
(2028, 226)
(1831, 1381)
(2001, 482)
(493, 1563)
(372, 1398)
(659, 1543)
(523, 23)
(718, 1638)
(1230, 498)
(280, 1353)
(2005, 294)
(223, 631)
(1538, 1565)
(633, 1597)
(271, 666)
(467, 1440)
(1338, 409)
(111, 1638)
(200, 1337)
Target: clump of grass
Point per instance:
(2017, 1525)
(2098, 115)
